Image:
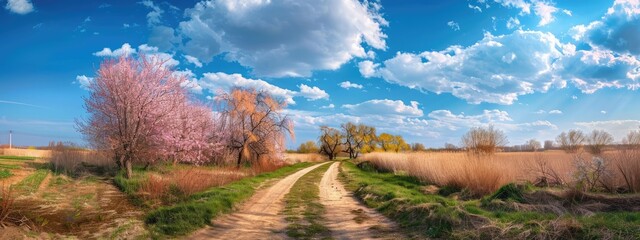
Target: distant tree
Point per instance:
(484, 140)
(386, 141)
(450, 146)
(533, 145)
(597, 140)
(355, 137)
(571, 142)
(548, 145)
(330, 141)
(632, 139)
(418, 147)
(399, 144)
(308, 147)
(256, 124)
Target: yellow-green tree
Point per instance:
(308, 147)
(355, 137)
(393, 143)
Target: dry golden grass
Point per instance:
(480, 175)
(292, 158)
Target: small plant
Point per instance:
(590, 174)
(7, 198)
(5, 173)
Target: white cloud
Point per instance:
(330, 106)
(224, 82)
(283, 38)
(476, 8)
(193, 60)
(191, 82)
(497, 69)
(125, 50)
(84, 81)
(19, 6)
(603, 112)
(513, 23)
(367, 68)
(574, 97)
(454, 25)
(555, 111)
(617, 128)
(617, 30)
(312, 93)
(347, 85)
(545, 11)
(153, 17)
(565, 11)
(525, 7)
(384, 107)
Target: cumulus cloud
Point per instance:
(312, 93)
(150, 52)
(153, 17)
(284, 38)
(617, 30)
(476, 8)
(193, 60)
(223, 81)
(384, 107)
(497, 69)
(454, 25)
(347, 85)
(545, 11)
(125, 50)
(19, 6)
(591, 70)
(367, 68)
(524, 6)
(84, 81)
(513, 23)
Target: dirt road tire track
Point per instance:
(259, 217)
(348, 218)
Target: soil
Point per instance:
(348, 218)
(257, 218)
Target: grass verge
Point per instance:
(303, 209)
(501, 215)
(16, 157)
(198, 210)
(5, 173)
(31, 183)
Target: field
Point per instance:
(548, 195)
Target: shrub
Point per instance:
(484, 140)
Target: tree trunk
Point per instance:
(239, 159)
(129, 168)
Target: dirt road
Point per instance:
(348, 218)
(259, 217)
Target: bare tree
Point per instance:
(571, 142)
(418, 147)
(632, 139)
(533, 145)
(484, 140)
(548, 145)
(597, 140)
(450, 147)
(330, 141)
(256, 124)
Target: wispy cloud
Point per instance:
(22, 104)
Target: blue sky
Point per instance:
(428, 70)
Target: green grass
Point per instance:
(9, 166)
(31, 183)
(198, 210)
(303, 209)
(2, 157)
(5, 173)
(423, 215)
